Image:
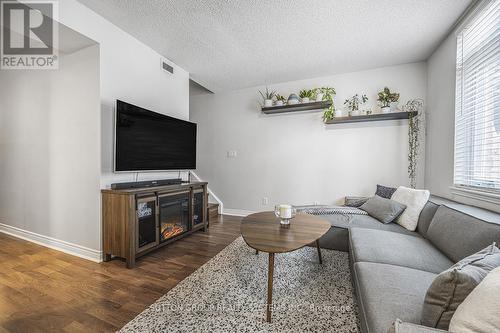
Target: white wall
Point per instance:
(296, 158)
(441, 118)
(131, 71)
(50, 151)
(56, 139)
(441, 76)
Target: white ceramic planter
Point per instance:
(319, 97)
(305, 100)
(394, 106)
(355, 113)
(386, 109)
(268, 103)
(338, 113)
(279, 103)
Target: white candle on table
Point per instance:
(285, 211)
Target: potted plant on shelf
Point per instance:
(267, 96)
(280, 100)
(353, 103)
(306, 95)
(328, 93)
(386, 97)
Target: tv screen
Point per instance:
(150, 141)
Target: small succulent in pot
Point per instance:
(386, 97)
(306, 95)
(280, 100)
(267, 96)
(353, 103)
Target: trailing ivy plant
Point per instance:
(415, 109)
(328, 93)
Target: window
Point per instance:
(477, 106)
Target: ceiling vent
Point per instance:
(167, 67)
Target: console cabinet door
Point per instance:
(147, 235)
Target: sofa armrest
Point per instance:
(402, 327)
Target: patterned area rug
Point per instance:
(228, 294)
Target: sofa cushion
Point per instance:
(382, 209)
(451, 287)
(459, 235)
(479, 311)
(387, 292)
(364, 221)
(415, 201)
(425, 217)
(396, 249)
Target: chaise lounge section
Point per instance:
(392, 268)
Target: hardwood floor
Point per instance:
(43, 290)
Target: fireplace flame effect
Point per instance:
(171, 230)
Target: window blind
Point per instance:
(477, 105)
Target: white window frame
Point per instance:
(474, 192)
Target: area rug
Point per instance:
(228, 294)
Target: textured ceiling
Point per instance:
(228, 44)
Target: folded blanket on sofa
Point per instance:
(330, 210)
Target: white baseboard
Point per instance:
(56, 244)
(237, 212)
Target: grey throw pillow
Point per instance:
(385, 191)
(384, 210)
(355, 201)
(450, 288)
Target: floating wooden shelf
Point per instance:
(370, 117)
(297, 107)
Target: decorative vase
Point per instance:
(268, 103)
(293, 99)
(394, 106)
(279, 103)
(305, 100)
(338, 113)
(386, 109)
(285, 213)
(319, 97)
(355, 113)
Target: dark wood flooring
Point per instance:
(43, 290)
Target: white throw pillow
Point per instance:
(415, 201)
(479, 312)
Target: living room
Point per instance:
(243, 166)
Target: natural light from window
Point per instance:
(477, 107)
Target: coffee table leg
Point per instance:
(270, 286)
(256, 251)
(319, 252)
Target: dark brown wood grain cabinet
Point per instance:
(140, 220)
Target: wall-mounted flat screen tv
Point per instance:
(150, 141)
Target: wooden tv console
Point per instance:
(139, 220)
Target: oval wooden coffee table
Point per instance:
(263, 232)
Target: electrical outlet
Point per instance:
(265, 201)
(232, 153)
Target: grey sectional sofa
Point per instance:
(392, 267)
